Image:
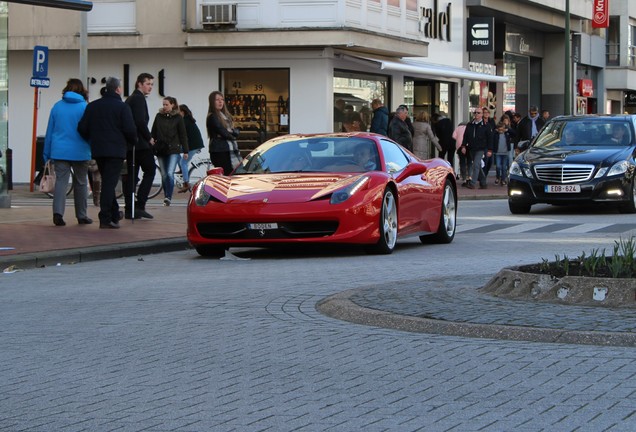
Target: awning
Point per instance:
(421, 68)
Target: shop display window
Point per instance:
(353, 93)
(258, 100)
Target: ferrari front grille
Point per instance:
(564, 173)
(284, 230)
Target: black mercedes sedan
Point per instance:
(575, 160)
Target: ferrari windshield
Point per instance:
(312, 154)
(585, 132)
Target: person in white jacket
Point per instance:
(424, 136)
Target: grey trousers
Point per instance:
(80, 182)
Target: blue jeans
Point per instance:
(185, 164)
(503, 162)
(168, 164)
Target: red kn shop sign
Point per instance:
(600, 14)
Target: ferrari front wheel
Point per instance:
(388, 225)
(210, 251)
(447, 220)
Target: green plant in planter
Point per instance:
(622, 263)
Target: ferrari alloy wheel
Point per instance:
(630, 206)
(447, 220)
(388, 225)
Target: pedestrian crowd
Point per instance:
(479, 144)
(109, 139)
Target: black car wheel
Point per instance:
(519, 208)
(388, 226)
(210, 251)
(448, 219)
(630, 207)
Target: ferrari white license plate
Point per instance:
(263, 226)
(562, 188)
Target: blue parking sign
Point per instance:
(40, 61)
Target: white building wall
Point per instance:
(189, 77)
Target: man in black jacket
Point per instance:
(143, 155)
(478, 141)
(530, 125)
(399, 130)
(107, 124)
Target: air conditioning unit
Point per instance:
(213, 15)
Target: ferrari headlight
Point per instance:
(347, 192)
(201, 197)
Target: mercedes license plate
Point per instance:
(562, 188)
(263, 226)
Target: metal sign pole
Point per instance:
(34, 137)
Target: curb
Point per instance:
(93, 253)
(340, 306)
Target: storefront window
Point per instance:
(4, 94)
(258, 100)
(516, 90)
(353, 93)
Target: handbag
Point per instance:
(47, 182)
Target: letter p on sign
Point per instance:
(40, 61)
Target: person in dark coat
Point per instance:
(143, 157)
(478, 141)
(399, 130)
(380, 121)
(195, 144)
(530, 125)
(443, 128)
(224, 151)
(108, 126)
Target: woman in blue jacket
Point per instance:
(66, 148)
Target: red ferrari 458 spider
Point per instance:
(356, 188)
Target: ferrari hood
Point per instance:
(275, 188)
(579, 155)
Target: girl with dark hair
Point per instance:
(66, 148)
(224, 151)
(195, 144)
(169, 133)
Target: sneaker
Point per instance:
(496, 181)
(503, 183)
(470, 186)
(166, 202)
(85, 221)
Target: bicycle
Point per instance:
(198, 168)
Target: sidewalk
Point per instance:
(29, 239)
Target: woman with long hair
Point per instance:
(171, 140)
(224, 151)
(195, 144)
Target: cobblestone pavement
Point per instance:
(172, 342)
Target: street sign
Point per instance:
(40, 82)
(40, 61)
(40, 67)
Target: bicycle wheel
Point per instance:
(199, 171)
